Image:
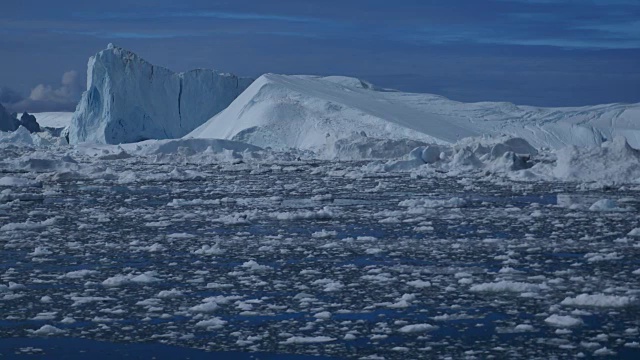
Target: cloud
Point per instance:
(46, 97)
(9, 96)
(222, 15)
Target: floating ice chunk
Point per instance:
(509, 270)
(308, 339)
(180, 236)
(145, 278)
(50, 315)
(158, 224)
(432, 154)
(212, 324)
(156, 247)
(324, 234)
(349, 337)
(170, 294)
(606, 205)
(68, 320)
(323, 315)
(194, 202)
(417, 328)
(117, 280)
(20, 137)
(12, 181)
(254, 266)
(524, 328)
(81, 300)
(207, 307)
(222, 299)
(48, 330)
(634, 232)
(604, 352)
(508, 286)
(40, 251)
(333, 286)
(403, 302)
(593, 257)
(563, 321)
(237, 218)
(121, 280)
(28, 225)
(15, 286)
(420, 284)
(78, 274)
(325, 197)
(599, 300)
(149, 302)
(324, 214)
(433, 203)
(209, 250)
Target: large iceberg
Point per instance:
(130, 100)
(329, 114)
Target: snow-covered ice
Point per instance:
(55, 120)
(337, 117)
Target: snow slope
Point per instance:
(315, 113)
(129, 99)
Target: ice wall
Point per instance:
(129, 100)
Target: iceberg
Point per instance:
(613, 161)
(333, 115)
(129, 100)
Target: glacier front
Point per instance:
(130, 100)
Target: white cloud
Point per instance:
(49, 98)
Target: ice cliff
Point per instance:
(129, 100)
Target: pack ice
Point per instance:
(129, 100)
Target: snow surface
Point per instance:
(316, 113)
(56, 120)
(129, 99)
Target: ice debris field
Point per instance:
(320, 218)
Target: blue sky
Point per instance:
(537, 52)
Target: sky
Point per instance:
(529, 52)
